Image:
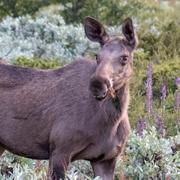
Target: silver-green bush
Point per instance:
(151, 156)
(46, 37)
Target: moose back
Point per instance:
(75, 112)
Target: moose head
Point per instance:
(114, 59)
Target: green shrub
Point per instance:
(141, 55)
(45, 36)
(168, 42)
(159, 33)
(37, 63)
(163, 42)
(14, 167)
(147, 40)
(112, 12)
(167, 73)
(19, 7)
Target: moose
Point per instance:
(79, 111)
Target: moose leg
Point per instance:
(1, 150)
(58, 165)
(104, 169)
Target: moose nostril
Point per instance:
(97, 84)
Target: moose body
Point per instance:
(76, 112)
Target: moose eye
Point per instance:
(123, 60)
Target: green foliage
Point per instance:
(37, 63)
(168, 45)
(162, 44)
(111, 12)
(19, 7)
(140, 55)
(151, 157)
(148, 157)
(46, 36)
(16, 168)
(165, 72)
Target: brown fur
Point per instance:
(54, 115)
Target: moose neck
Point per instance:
(121, 100)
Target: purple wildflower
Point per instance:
(163, 92)
(141, 125)
(149, 94)
(160, 126)
(178, 81)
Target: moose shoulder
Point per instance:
(75, 112)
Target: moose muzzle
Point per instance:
(99, 87)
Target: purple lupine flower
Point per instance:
(163, 92)
(141, 125)
(149, 94)
(178, 81)
(160, 126)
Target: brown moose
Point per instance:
(75, 112)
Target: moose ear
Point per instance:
(95, 31)
(129, 33)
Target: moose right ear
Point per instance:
(95, 31)
(129, 33)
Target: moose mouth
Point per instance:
(100, 97)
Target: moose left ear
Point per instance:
(95, 31)
(129, 33)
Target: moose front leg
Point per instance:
(104, 169)
(58, 164)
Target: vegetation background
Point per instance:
(49, 33)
